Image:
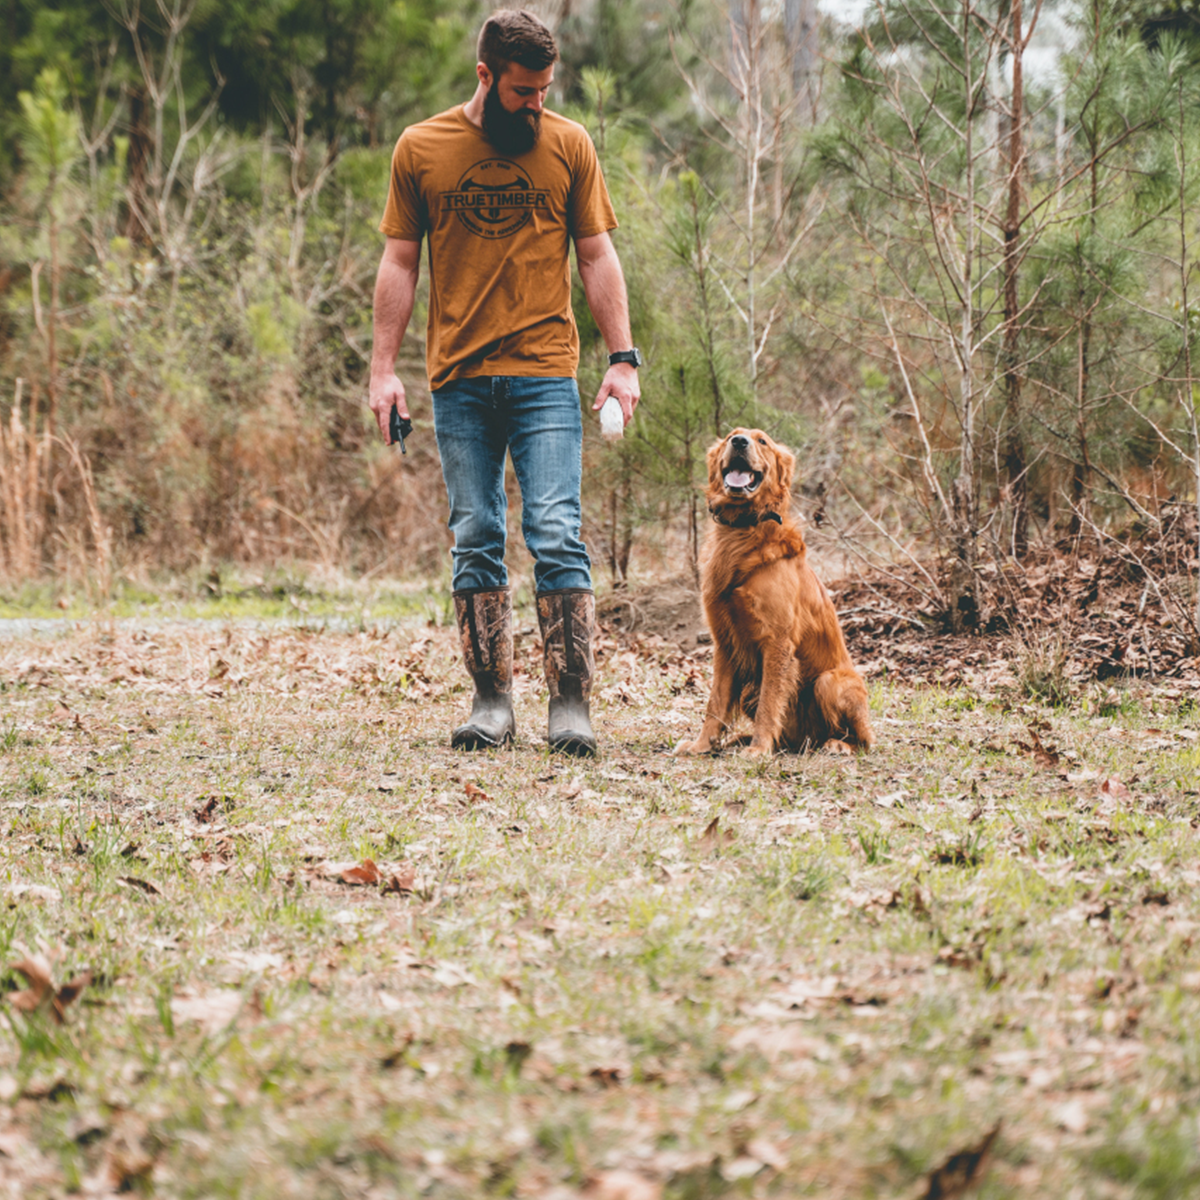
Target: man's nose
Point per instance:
(535, 103)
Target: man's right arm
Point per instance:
(395, 291)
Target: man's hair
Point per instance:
(512, 35)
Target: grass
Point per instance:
(864, 967)
(231, 595)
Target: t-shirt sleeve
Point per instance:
(590, 211)
(404, 216)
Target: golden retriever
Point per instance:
(778, 651)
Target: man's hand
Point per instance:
(604, 286)
(620, 380)
(395, 287)
(386, 391)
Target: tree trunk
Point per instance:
(1082, 467)
(1079, 476)
(1015, 465)
(802, 23)
(135, 165)
(51, 425)
(964, 583)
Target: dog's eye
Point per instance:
(762, 441)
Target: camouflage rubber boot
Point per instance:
(568, 621)
(485, 626)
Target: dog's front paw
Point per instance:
(686, 749)
(758, 750)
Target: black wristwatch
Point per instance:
(633, 357)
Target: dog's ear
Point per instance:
(786, 465)
(714, 464)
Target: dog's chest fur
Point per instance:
(731, 557)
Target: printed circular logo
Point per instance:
(495, 198)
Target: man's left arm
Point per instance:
(604, 286)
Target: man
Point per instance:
(501, 187)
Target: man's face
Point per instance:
(512, 106)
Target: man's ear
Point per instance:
(483, 74)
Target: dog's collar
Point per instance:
(746, 520)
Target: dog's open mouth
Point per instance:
(741, 478)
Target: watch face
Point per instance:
(633, 356)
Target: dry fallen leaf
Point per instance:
(609, 1074)
(403, 880)
(35, 891)
(476, 793)
(128, 1163)
(141, 885)
(885, 898)
(206, 811)
(365, 873)
(41, 990)
(1114, 788)
(961, 1171)
(959, 956)
(714, 837)
(126, 1166)
(69, 993)
(49, 1087)
(1045, 756)
(35, 968)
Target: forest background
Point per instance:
(962, 289)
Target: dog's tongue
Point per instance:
(738, 479)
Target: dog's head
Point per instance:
(749, 473)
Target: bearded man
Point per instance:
(501, 187)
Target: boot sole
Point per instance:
(574, 746)
(474, 739)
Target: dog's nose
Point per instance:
(739, 441)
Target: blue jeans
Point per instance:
(537, 420)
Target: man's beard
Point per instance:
(511, 133)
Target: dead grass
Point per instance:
(645, 976)
(46, 525)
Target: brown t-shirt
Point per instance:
(499, 233)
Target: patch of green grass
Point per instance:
(227, 594)
(1041, 660)
(1157, 1161)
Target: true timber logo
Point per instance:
(495, 198)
